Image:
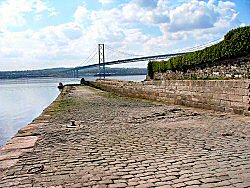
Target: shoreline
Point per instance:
(26, 137)
(23, 100)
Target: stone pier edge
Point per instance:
(26, 138)
(220, 95)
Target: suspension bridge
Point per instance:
(98, 58)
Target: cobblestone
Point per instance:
(122, 142)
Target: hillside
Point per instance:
(63, 73)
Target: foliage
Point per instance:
(236, 43)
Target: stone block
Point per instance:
(224, 97)
(221, 83)
(235, 98)
(230, 83)
(12, 154)
(237, 83)
(227, 90)
(225, 102)
(232, 91)
(237, 104)
(20, 143)
(245, 84)
(7, 163)
(245, 99)
(239, 91)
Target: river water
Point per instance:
(21, 100)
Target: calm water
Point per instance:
(21, 100)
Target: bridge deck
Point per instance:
(130, 60)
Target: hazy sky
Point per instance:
(62, 33)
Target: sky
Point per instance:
(38, 34)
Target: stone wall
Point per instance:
(219, 95)
(238, 68)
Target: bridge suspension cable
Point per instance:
(92, 55)
(200, 47)
(119, 57)
(120, 53)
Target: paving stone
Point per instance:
(193, 182)
(179, 185)
(120, 181)
(127, 177)
(165, 186)
(192, 186)
(222, 184)
(168, 178)
(242, 185)
(133, 183)
(207, 185)
(209, 180)
(161, 183)
(145, 185)
(153, 180)
(117, 185)
(122, 142)
(106, 182)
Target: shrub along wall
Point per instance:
(219, 95)
(236, 43)
(237, 68)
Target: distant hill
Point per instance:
(63, 73)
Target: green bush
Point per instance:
(236, 43)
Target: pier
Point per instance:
(92, 138)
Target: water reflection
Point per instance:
(22, 100)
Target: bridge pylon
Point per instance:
(75, 73)
(101, 56)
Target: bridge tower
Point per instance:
(75, 73)
(101, 59)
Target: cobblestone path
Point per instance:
(121, 142)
